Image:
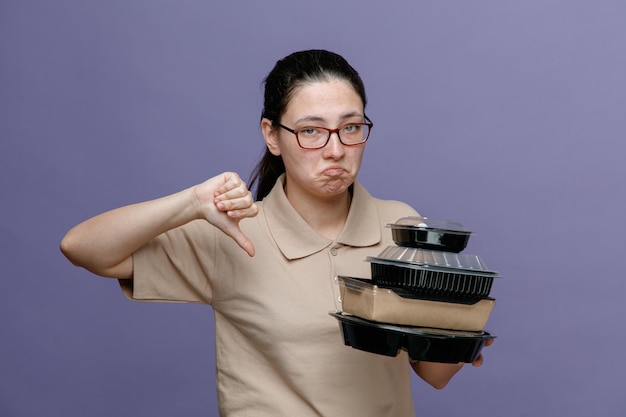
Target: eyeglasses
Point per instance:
(317, 137)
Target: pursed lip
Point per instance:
(334, 171)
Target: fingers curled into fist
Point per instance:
(234, 198)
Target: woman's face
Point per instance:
(325, 172)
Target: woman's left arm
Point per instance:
(439, 374)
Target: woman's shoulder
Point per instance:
(394, 208)
(388, 210)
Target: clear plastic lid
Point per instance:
(431, 259)
(426, 223)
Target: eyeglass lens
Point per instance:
(317, 137)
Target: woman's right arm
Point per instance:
(105, 243)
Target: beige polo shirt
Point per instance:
(278, 351)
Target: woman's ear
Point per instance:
(270, 134)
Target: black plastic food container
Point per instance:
(424, 344)
(443, 276)
(426, 233)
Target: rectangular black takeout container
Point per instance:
(443, 276)
(424, 344)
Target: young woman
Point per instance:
(268, 267)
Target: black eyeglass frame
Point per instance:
(368, 123)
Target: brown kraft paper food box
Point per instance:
(368, 301)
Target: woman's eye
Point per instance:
(351, 128)
(311, 131)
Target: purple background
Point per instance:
(506, 116)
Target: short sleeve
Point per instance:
(176, 266)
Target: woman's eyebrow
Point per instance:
(351, 115)
(310, 119)
(320, 119)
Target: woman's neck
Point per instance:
(327, 216)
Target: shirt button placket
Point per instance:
(334, 251)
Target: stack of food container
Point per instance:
(425, 296)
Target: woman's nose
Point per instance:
(334, 146)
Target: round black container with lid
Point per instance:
(427, 233)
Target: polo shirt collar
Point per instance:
(296, 239)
